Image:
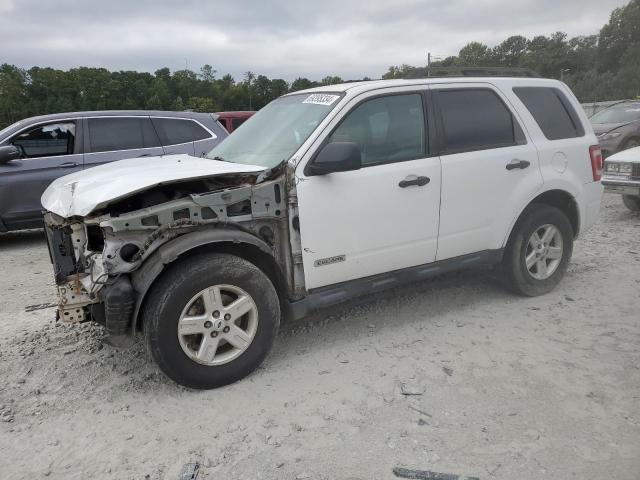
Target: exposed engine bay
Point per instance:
(104, 262)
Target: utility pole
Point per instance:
(428, 64)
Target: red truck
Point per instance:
(232, 120)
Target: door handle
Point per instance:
(413, 180)
(68, 165)
(517, 163)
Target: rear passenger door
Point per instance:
(183, 135)
(489, 167)
(117, 138)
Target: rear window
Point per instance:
(173, 131)
(552, 111)
(476, 119)
(110, 134)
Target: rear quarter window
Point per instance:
(552, 111)
(173, 131)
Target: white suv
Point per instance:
(324, 195)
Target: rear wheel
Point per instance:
(538, 252)
(210, 320)
(632, 202)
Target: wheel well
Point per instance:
(564, 202)
(251, 253)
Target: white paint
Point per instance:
(380, 227)
(82, 192)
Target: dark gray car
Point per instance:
(618, 127)
(37, 150)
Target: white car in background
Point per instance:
(622, 176)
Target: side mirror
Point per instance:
(8, 153)
(336, 157)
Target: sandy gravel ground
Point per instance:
(503, 387)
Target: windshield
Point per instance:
(623, 113)
(274, 133)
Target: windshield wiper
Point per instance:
(220, 159)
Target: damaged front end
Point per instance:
(106, 261)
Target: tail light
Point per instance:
(596, 162)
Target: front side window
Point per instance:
(552, 111)
(387, 129)
(174, 131)
(49, 140)
(109, 134)
(476, 119)
(272, 135)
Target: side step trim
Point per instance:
(341, 292)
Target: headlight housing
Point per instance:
(608, 136)
(617, 168)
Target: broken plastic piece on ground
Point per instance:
(427, 475)
(191, 471)
(39, 306)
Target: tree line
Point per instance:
(603, 66)
(599, 67)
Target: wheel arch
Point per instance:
(560, 199)
(219, 240)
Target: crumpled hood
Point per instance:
(82, 192)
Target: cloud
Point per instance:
(277, 38)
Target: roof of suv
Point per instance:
(365, 86)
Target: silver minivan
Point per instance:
(37, 150)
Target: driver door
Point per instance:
(50, 150)
(384, 216)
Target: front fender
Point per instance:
(145, 276)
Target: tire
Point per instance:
(531, 281)
(177, 299)
(632, 202)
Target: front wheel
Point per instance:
(210, 320)
(632, 202)
(538, 251)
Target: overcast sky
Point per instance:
(277, 38)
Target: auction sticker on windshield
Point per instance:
(321, 99)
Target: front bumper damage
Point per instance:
(85, 291)
(96, 258)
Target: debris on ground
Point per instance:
(191, 471)
(427, 475)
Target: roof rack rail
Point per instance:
(470, 71)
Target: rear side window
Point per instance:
(173, 131)
(476, 119)
(49, 140)
(552, 111)
(110, 134)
